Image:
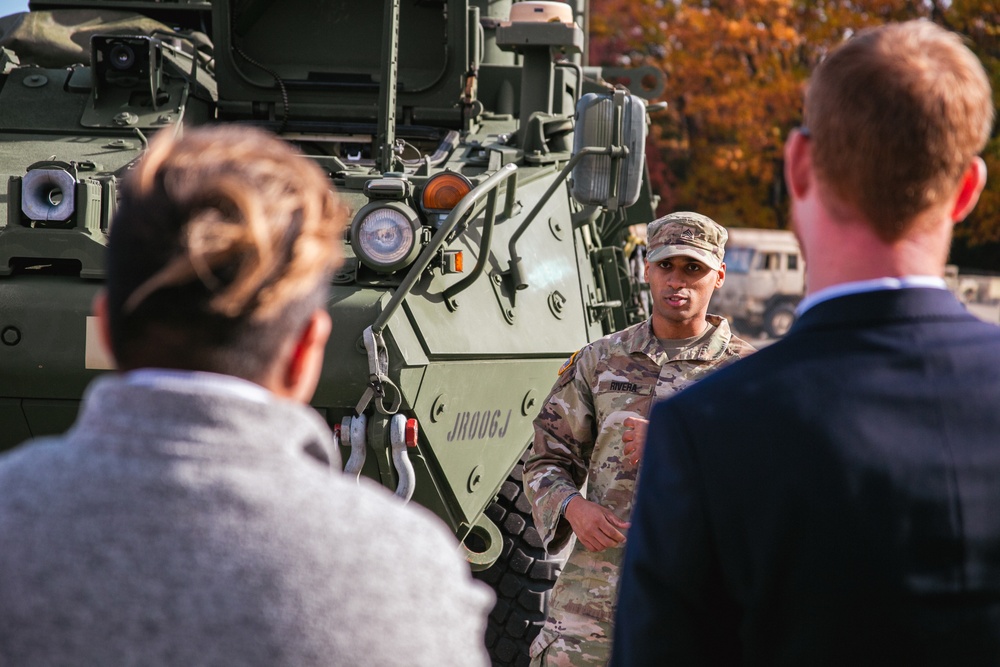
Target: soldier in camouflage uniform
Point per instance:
(581, 475)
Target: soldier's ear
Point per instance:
(722, 276)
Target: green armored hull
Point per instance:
(487, 172)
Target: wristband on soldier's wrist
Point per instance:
(565, 503)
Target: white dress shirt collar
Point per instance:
(860, 286)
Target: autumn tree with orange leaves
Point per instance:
(735, 71)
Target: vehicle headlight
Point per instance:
(385, 236)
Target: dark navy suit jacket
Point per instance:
(833, 499)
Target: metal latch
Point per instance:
(378, 378)
(596, 310)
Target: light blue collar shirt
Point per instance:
(861, 286)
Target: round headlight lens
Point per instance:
(384, 236)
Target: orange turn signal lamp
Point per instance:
(444, 191)
(451, 261)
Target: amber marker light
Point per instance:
(451, 261)
(444, 191)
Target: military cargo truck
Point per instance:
(488, 173)
(765, 280)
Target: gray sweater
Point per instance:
(177, 526)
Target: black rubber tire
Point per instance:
(742, 328)
(522, 577)
(779, 319)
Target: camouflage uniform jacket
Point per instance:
(578, 440)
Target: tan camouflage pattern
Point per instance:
(578, 448)
(575, 640)
(686, 234)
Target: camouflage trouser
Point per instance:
(573, 641)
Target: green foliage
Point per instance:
(735, 74)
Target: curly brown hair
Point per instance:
(222, 246)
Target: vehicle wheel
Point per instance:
(741, 327)
(521, 578)
(779, 319)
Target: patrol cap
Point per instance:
(686, 234)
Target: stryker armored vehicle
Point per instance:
(490, 175)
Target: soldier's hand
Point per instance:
(634, 438)
(595, 526)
